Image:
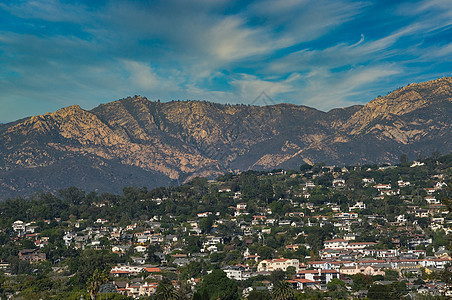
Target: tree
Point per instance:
(391, 275)
(277, 276)
(152, 257)
(95, 281)
(291, 272)
(377, 291)
(361, 281)
(283, 291)
(391, 291)
(217, 285)
(259, 295)
(305, 167)
(206, 224)
(336, 289)
(166, 291)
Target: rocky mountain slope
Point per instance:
(135, 141)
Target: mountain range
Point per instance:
(134, 141)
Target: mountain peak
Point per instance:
(67, 111)
(400, 102)
(134, 141)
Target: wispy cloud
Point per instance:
(322, 53)
(49, 10)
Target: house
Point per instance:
(31, 255)
(310, 184)
(335, 244)
(68, 238)
(349, 236)
(319, 276)
(346, 216)
(358, 205)
(383, 187)
(119, 248)
(258, 219)
(284, 222)
(204, 214)
(359, 269)
(360, 245)
(401, 219)
(153, 270)
(338, 182)
(416, 164)
(241, 206)
(138, 260)
(278, 264)
(415, 242)
(19, 226)
(402, 183)
(140, 248)
(367, 181)
(213, 240)
(432, 200)
(125, 270)
(301, 284)
(235, 272)
(147, 289)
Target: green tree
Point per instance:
(259, 295)
(391, 275)
(217, 285)
(361, 281)
(378, 291)
(336, 289)
(283, 290)
(95, 281)
(166, 291)
(291, 272)
(305, 167)
(277, 276)
(393, 291)
(206, 224)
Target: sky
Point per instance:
(322, 53)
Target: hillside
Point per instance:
(135, 141)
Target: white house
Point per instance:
(140, 248)
(432, 200)
(19, 226)
(235, 272)
(319, 276)
(358, 205)
(416, 164)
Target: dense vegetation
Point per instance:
(70, 272)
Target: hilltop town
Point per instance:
(320, 231)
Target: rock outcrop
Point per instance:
(135, 141)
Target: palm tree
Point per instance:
(95, 281)
(166, 292)
(283, 290)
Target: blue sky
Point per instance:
(321, 53)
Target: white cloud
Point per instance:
(49, 10)
(231, 40)
(204, 49)
(248, 87)
(325, 90)
(305, 20)
(142, 75)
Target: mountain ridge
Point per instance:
(164, 142)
